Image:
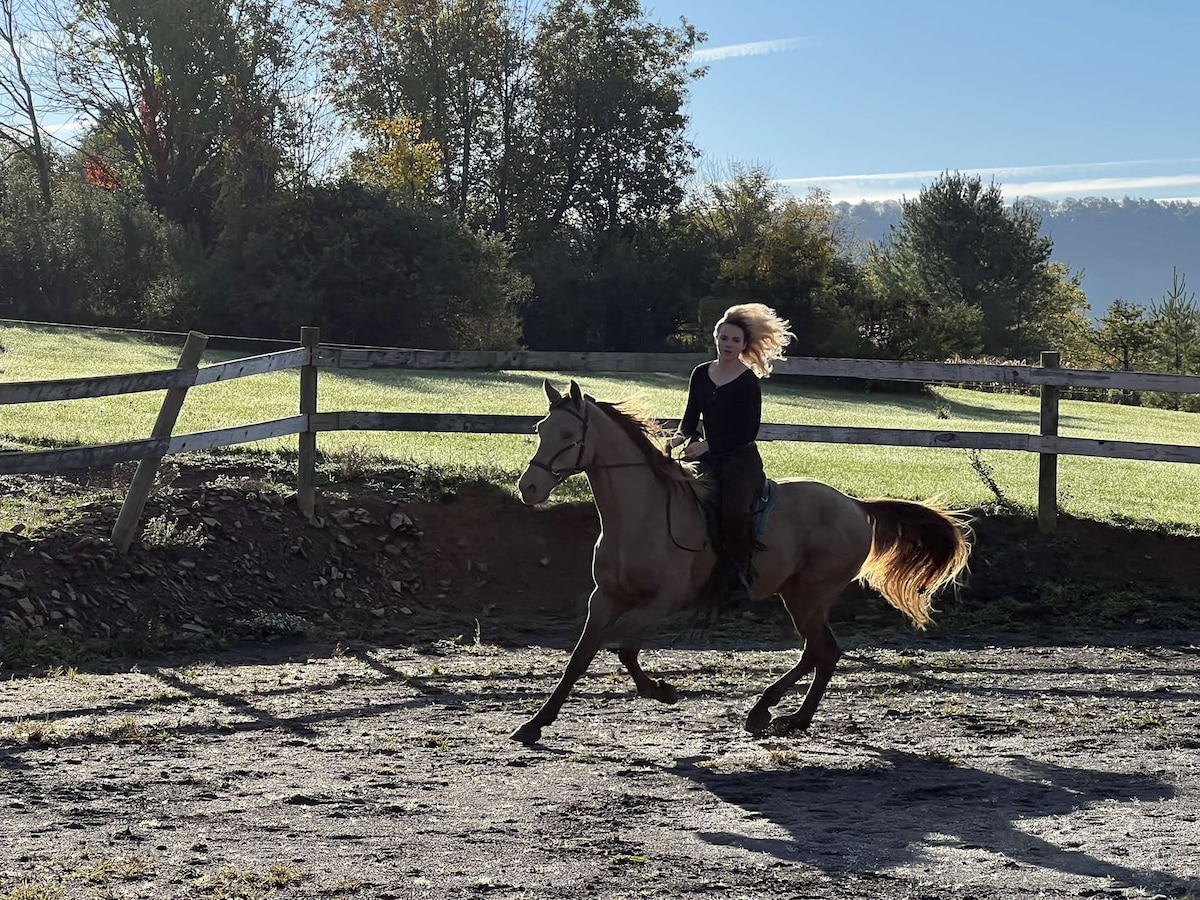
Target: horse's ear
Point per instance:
(552, 393)
(576, 393)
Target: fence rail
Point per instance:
(312, 357)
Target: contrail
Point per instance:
(756, 48)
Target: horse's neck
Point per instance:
(623, 482)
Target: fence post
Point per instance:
(306, 464)
(147, 468)
(1048, 462)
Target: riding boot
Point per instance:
(742, 590)
(736, 584)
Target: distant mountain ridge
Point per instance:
(1125, 248)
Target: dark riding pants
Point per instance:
(739, 474)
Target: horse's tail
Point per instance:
(917, 550)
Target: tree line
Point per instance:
(473, 174)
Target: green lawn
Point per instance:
(1167, 493)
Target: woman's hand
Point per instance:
(695, 450)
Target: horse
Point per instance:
(653, 557)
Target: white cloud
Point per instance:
(1077, 180)
(1146, 185)
(59, 129)
(756, 48)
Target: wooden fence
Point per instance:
(311, 356)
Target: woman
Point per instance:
(725, 395)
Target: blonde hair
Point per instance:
(767, 334)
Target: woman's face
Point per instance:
(731, 341)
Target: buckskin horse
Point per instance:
(653, 557)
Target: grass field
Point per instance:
(1166, 494)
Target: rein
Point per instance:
(561, 475)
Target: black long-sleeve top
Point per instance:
(732, 413)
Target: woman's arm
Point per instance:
(689, 425)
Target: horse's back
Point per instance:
(798, 494)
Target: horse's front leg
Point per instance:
(655, 689)
(602, 613)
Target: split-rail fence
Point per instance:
(312, 356)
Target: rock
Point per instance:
(26, 606)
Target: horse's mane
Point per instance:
(642, 429)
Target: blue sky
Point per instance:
(871, 99)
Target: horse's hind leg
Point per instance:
(820, 657)
(655, 689)
(824, 660)
(602, 613)
(759, 718)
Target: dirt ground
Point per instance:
(370, 757)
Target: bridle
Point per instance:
(580, 446)
(561, 475)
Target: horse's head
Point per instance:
(561, 451)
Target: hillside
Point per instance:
(1124, 248)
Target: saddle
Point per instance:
(760, 515)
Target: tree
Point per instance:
(735, 205)
(1175, 323)
(191, 94)
(20, 127)
(904, 319)
(1059, 319)
(367, 268)
(1124, 335)
(608, 118)
(571, 117)
(455, 67)
(795, 263)
(793, 254)
(396, 159)
(94, 255)
(969, 260)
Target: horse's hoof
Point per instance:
(666, 694)
(527, 734)
(783, 726)
(758, 723)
